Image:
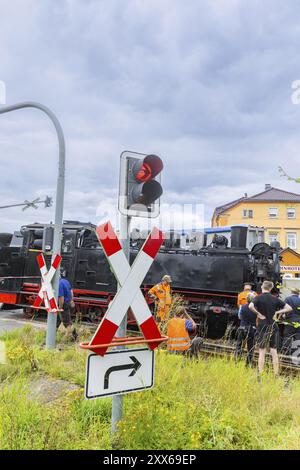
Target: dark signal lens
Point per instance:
(152, 190)
(155, 163)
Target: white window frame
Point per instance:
(271, 216)
(293, 245)
(275, 235)
(291, 209)
(246, 214)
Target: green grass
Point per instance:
(209, 404)
(65, 424)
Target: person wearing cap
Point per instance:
(161, 293)
(291, 333)
(246, 331)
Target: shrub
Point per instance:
(21, 348)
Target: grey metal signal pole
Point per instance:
(59, 204)
(117, 400)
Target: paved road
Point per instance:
(12, 319)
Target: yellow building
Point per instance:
(290, 262)
(276, 210)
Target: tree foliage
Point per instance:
(283, 173)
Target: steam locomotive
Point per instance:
(208, 274)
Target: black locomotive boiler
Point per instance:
(209, 277)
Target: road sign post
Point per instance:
(139, 193)
(112, 329)
(117, 401)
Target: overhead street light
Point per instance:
(31, 204)
(59, 203)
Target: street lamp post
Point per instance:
(59, 204)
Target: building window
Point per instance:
(291, 213)
(273, 212)
(273, 237)
(291, 238)
(248, 214)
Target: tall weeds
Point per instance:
(205, 404)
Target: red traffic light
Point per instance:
(148, 168)
(140, 187)
(144, 173)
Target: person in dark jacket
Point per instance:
(65, 303)
(291, 320)
(247, 330)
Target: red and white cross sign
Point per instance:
(46, 291)
(129, 295)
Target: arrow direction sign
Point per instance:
(135, 365)
(118, 372)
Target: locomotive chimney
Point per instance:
(239, 237)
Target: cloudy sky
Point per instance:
(205, 84)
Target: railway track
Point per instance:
(287, 363)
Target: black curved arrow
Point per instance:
(134, 366)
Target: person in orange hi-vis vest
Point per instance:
(161, 293)
(178, 331)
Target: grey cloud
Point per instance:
(206, 84)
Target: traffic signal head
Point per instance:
(140, 187)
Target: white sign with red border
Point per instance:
(129, 295)
(46, 293)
